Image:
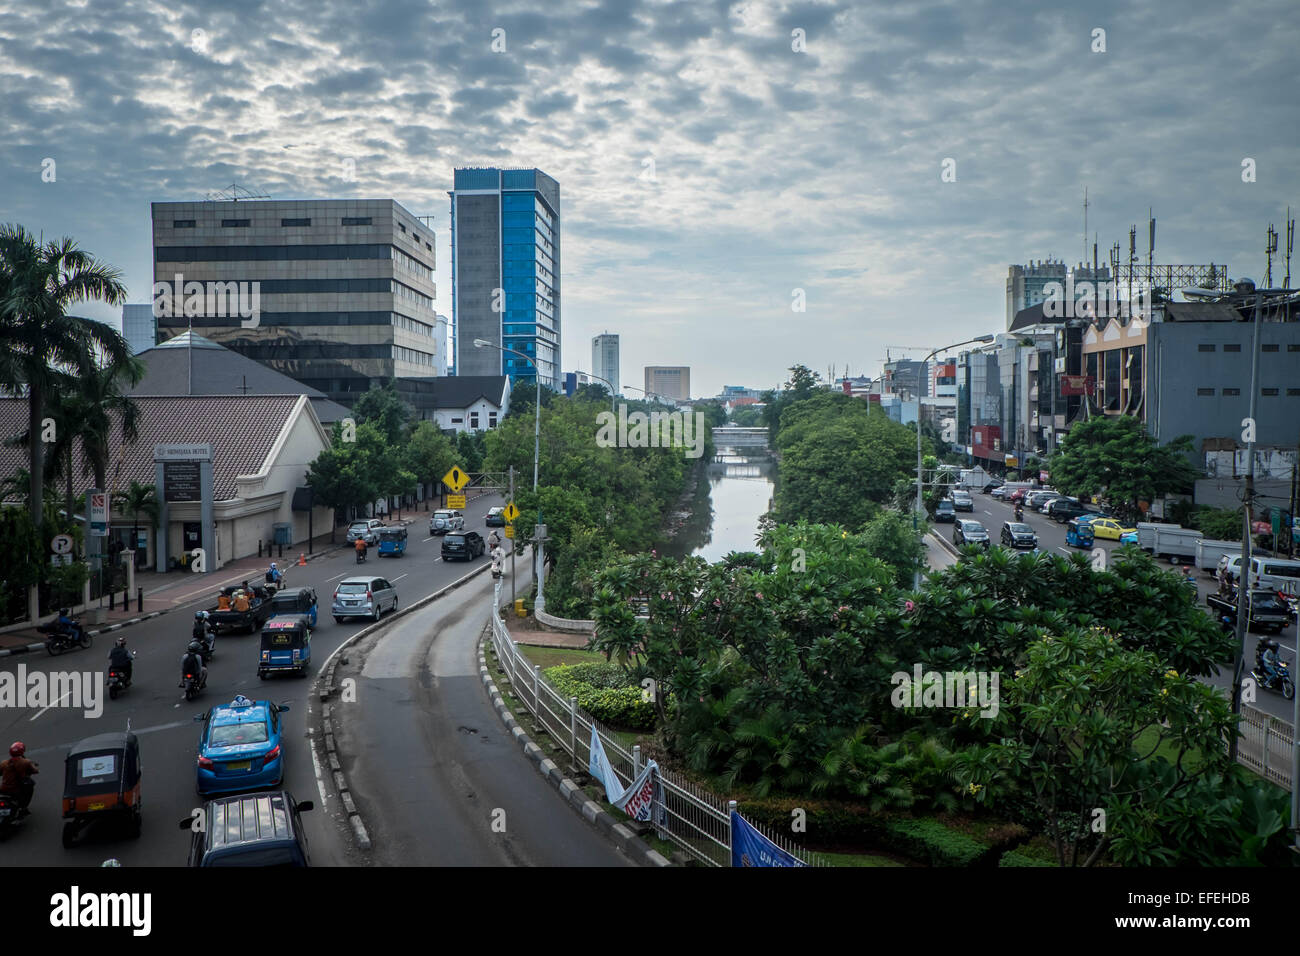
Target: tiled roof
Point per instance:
(241, 429)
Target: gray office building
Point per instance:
(338, 294)
(505, 267)
(604, 359)
(139, 327)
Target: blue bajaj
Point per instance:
(1079, 534)
(392, 542)
(295, 601)
(286, 646)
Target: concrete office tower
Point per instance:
(669, 381)
(343, 289)
(604, 359)
(139, 327)
(505, 267)
(1025, 284)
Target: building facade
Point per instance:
(505, 266)
(337, 294)
(604, 359)
(139, 327)
(669, 381)
(1025, 284)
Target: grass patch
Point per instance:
(554, 656)
(857, 859)
(1168, 749)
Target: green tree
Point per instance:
(138, 500)
(1116, 456)
(39, 340)
(469, 450)
(383, 408)
(349, 476)
(429, 453)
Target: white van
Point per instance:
(1276, 574)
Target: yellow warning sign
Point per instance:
(510, 531)
(455, 501)
(511, 512)
(456, 479)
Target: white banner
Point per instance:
(644, 792)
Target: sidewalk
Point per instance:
(169, 591)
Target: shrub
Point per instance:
(1012, 858)
(619, 706)
(931, 842)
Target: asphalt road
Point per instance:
(163, 720)
(991, 512)
(437, 778)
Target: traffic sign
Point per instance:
(61, 543)
(456, 479)
(511, 512)
(510, 531)
(98, 501)
(455, 501)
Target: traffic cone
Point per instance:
(301, 559)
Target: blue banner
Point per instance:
(751, 848)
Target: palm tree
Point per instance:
(38, 339)
(138, 500)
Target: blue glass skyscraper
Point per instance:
(505, 263)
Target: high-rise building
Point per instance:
(669, 381)
(1025, 284)
(139, 327)
(505, 268)
(336, 293)
(604, 359)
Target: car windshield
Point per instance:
(353, 587)
(455, 539)
(970, 527)
(442, 514)
(495, 511)
(945, 506)
(362, 526)
(232, 735)
(1021, 529)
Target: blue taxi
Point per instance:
(240, 747)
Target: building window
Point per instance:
(182, 223)
(1268, 391)
(1232, 391)
(473, 421)
(1293, 391)
(234, 223)
(295, 222)
(1205, 348)
(401, 227)
(458, 421)
(1293, 348)
(1205, 391)
(1268, 348)
(492, 416)
(356, 220)
(1232, 348)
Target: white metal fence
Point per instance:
(1266, 745)
(698, 822)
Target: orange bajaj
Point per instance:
(102, 785)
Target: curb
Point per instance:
(40, 645)
(947, 545)
(323, 688)
(591, 811)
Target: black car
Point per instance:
(1017, 534)
(970, 532)
(463, 546)
(944, 511)
(496, 518)
(253, 829)
(1061, 513)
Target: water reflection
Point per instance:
(727, 507)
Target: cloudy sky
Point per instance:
(713, 157)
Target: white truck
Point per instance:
(1147, 533)
(973, 479)
(1208, 552)
(1175, 543)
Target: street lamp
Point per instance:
(920, 501)
(607, 382)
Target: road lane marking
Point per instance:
(430, 538)
(399, 577)
(315, 762)
(336, 577)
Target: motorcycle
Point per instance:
(1020, 513)
(193, 684)
(118, 682)
(361, 555)
(208, 642)
(13, 807)
(60, 638)
(1281, 679)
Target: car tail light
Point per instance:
(205, 763)
(272, 754)
(336, 595)
(369, 596)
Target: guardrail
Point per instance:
(1266, 745)
(698, 822)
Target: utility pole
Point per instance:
(1290, 538)
(1243, 574)
(512, 540)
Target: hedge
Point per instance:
(1012, 858)
(931, 842)
(618, 705)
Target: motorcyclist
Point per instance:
(498, 556)
(202, 630)
(361, 549)
(16, 775)
(1269, 659)
(494, 540)
(120, 659)
(65, 622)
(274, 575)
(1020, 510)
(192, 663)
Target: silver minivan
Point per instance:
(1276, 574)
(363, 596)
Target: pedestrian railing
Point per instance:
(1266, 745)
(697, 822)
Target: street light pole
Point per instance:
(920, 500)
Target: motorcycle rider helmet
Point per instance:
(111, 862)
(17, 748)
(1271, 644)
(195, 647)
(198, 615)
(272, 565)
(64, 611)
(121, 642)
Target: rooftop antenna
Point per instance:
(244, 387)
(1290, 237)
(1151, 248)
(234, 193)
(1270, 248)
(1085, 223)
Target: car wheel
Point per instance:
(69, 835)
(377, 613)
(337, 619)
(394, 607)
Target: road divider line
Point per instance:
(399, 577)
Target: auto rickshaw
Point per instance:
(295, 601)
(1079, 534)
(286, 646)
(102, 781)
(392, 541)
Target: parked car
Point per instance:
(1037, 499)
(256, 829)
(365, 529)
(962, 501)
(445, 521)
(1110, 529)
(945, 511)
(496, 518)
(240, 747)
(999, 492)
(992, 485)
(463, 546)
(970, 532)
(1017, 534)
(363, 596)
(1062, 510)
